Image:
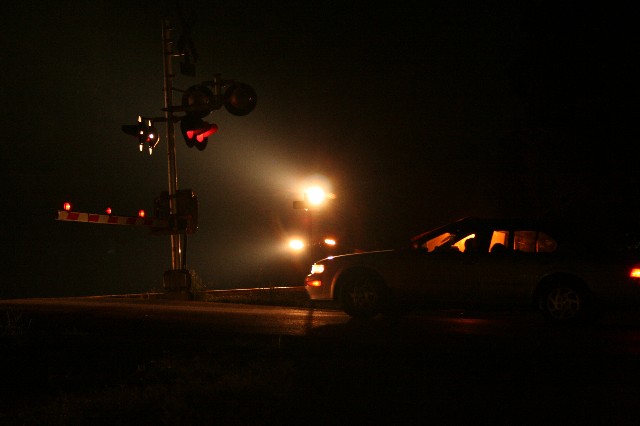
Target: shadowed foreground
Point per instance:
(65, 369)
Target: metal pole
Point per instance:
(176, 246)
(310, 230)
(312, 245)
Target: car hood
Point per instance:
(361, 256)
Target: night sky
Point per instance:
(413, 114)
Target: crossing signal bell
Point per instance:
(145, 132)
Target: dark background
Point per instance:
(414, 113)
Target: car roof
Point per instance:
(499, 222)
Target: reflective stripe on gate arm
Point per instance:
(112, 220)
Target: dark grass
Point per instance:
(67, 370)
(62, 370)
(59, 371)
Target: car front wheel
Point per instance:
(362, 296)
(564, 303)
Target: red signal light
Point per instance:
(196, 131)
(202, 136)
(140, 213)
(67, 206)
(108, 210)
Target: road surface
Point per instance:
(114, 361)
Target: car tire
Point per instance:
(362, 296)
(565, 303)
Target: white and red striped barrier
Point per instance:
(111, 220)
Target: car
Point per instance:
(479, 262)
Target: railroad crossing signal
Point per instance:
(145, 132)
(199, 101)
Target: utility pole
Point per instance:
(178, 278)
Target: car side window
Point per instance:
(546, 243)
(449, 242)
(528, 241)
(438, 242)
(499, 241)
(524, 241)
(469, 244)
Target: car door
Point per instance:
(508, 277)
(437, 272)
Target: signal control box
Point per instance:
(185, 219)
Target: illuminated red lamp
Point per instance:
(140, 213)
(201, 134)
(108, 210)
(67, 206)
(196, 131)
(635, 272)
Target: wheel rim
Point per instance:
(564, 303)
(363, 297)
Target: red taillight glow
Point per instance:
(635, 272)
(67, 206)
(108, 210)
(140, 213)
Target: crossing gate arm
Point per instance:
(111, 220)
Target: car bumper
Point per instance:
(317, 289)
